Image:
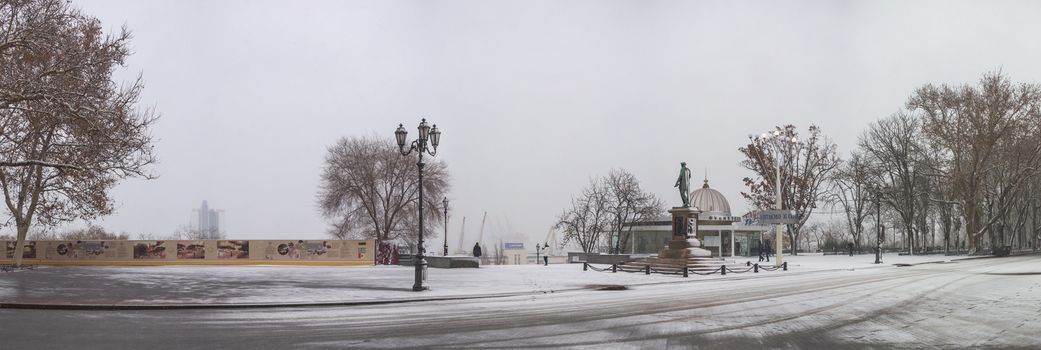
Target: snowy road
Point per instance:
(984, 303)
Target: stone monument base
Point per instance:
(682, 248)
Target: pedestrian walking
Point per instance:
(477, 250)
(545, 258)
(850, 246)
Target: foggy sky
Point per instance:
(533, 97)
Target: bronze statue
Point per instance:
(683, 182)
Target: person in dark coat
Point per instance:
(477, 250)
(850, 246)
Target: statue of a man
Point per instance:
(683, 182)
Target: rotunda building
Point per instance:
(710, 202)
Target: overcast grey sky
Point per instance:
(533, 97)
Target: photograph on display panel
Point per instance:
(301, 250)
(191, 249)
(150, 250)
(28, 253)
(232, 249)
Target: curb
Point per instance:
(138, 307)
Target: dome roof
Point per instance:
(710, 201)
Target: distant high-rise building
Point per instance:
(207, 222)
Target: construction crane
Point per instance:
(460, 250)
(551, 241)
(480, 236)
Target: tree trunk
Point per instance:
(972, 225)
(19, 248)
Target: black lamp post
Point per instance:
(426, 133)
(878, 225)
(445, 202)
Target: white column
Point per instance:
(719, 233)
(732, 242)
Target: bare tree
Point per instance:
(588, 219)
(70, 133)
(976, 125)
(628, 203)
(895, 148)
(1006, 184)
(850, 189)
(368, 190)
(805, 167)
(91, 232)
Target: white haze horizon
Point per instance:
(534, 98)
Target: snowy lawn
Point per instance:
(290, 284)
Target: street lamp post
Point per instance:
(445, 201)
(878, 225)
(775, 139)
(426, 133)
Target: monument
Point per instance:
(684, 243)
(683, 251)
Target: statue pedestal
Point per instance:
(684, 243)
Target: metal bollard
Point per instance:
(756, 268)
(785, 266)
(684, 271)
(723, 270)
(647, 270)
(585, 266)
(614, 267)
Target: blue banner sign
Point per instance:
(514, 245)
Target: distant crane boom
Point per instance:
(551, 241)
(461, 238)
(480, 236)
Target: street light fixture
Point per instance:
(445, 202)
(426, 133)
(774, 139)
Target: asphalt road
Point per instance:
(984, 303)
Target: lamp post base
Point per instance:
(421, 275)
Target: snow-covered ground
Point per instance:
(827, 262)
(289, 284)
(964, 304)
